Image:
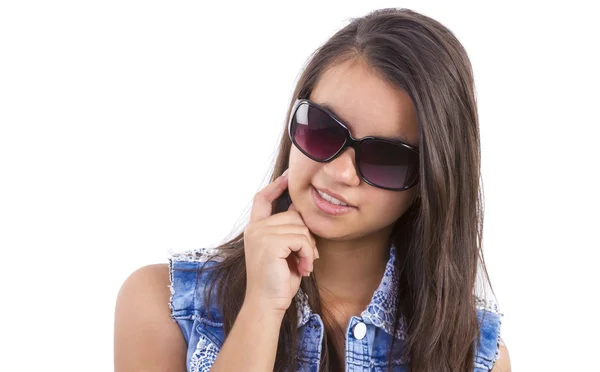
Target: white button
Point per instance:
(360, 330)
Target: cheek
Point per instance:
(301, 167)
(301, 171)
(294, 157)
(390, 205)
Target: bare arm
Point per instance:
(252, 343)
(145, 336)
(503, 363)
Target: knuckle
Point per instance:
(265, 240)
(305, 231)
(258, 197)
(307, 240)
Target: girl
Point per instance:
(362, 253)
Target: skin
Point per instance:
(150, 341)
(353, 247)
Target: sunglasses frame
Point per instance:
(350, 141)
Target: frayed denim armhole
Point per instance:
(182, 285)
(184, 301)
(172, 288)
(490, 320)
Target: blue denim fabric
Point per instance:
(365, 350)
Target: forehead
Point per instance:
(367, 104)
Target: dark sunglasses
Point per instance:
(383, 163)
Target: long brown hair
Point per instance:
(439, 237)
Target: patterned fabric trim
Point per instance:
(199, 255)
(193, 255)
(172, 290)
(302, 307)
(381, 311)
(204, 356)
(491, 305)
(488, 305)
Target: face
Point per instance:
(369, 107)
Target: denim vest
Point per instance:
(368, 336)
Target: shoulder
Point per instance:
(502, 364)
(146, 284)
(151, 279)
(143, 326)
(193, 260)
(191, 280)
(199, 255)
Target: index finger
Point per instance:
(262, 204)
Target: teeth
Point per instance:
(331, 199)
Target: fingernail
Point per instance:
(286, 172)
(316, 252)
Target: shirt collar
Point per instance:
(381, 310)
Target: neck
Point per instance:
(348, 272)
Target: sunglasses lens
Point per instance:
(388, 165)
(316, 133)
(383, 164)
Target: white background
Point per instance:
(132, 129)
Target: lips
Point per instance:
(327, 207)
(335, 195)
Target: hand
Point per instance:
(278, 249)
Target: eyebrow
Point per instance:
(400, 137)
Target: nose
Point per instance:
(343, 168)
